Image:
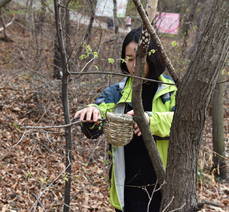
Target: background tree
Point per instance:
(115, 18)
(57, 60)
(219, 160)
(62, 43)
(188, 21)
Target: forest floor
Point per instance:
(32, 161)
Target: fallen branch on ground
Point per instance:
(7, 25)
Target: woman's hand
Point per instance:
(137, 130)
(88, 114)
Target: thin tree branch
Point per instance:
(7, 25)
(120, 74)
(139, 115)
(48, 127)
(46, 189)
(60, 36)
(115, 16)
(200, 205)
(222, 81)
(170, 202)
(87, 64)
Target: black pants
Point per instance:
(139, 207)
(140, 204)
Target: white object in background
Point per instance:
(105, 8)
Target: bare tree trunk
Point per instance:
(87, 36)
(67, 30)
(192, 100)
(29, 17)
(57, 69)
(41, 18)
(188, 19)
(65, 101)
(65, 18)
(115, 16)
(201, 20)
(37, 41)
(218, 130)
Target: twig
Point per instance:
(47, 127)
(170, 202)
(8, 24)
(223, 81)
(120, 74)
(42, 192)
(38, 202)
(176, 209)
(150, 196)
(90, 61)
(200, 205)
(155, 189)
(92, 153)
(23, 135)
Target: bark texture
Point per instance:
(219, 158)
(192, 100)
(57, 59)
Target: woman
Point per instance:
(133, 179)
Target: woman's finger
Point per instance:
(82, 115)
(131, 113)
(137, 132)
(89, 114)
(96, 115)
(77, 114)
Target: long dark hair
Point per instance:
(154, 60)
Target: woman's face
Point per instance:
(130, 58)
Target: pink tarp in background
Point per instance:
(167, 22)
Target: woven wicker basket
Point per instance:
(118, 129)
